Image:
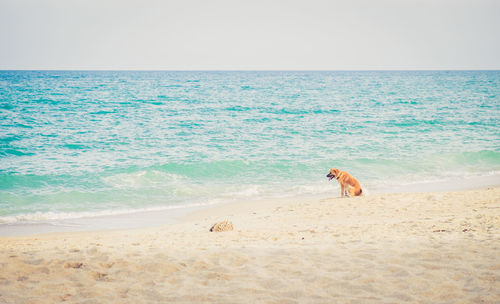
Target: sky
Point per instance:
(250, 35)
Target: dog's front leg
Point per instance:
(341, 190)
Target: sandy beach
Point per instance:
(439, 247)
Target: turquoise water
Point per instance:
(92, 143)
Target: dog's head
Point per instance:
(332, 174)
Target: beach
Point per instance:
(434, 247)
(197, 152)
(111, 180)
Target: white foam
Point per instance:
(54, 217)
(200, 195)
(246, 191)
(141, 179)
(445, 182)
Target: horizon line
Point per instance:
(249, 70)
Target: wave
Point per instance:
(14, 152)
(31, 197)
(55, 216)
(258, 171)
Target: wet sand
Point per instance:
(404, 247)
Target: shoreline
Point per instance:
(399, 247)
(170, 215)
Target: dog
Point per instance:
(348, 184)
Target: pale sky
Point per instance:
(249, 35)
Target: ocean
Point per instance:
(90, 143)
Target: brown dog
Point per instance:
(348, 184)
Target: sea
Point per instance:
(84, 144)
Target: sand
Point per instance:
(440, 247)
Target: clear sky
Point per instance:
(249, 35)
